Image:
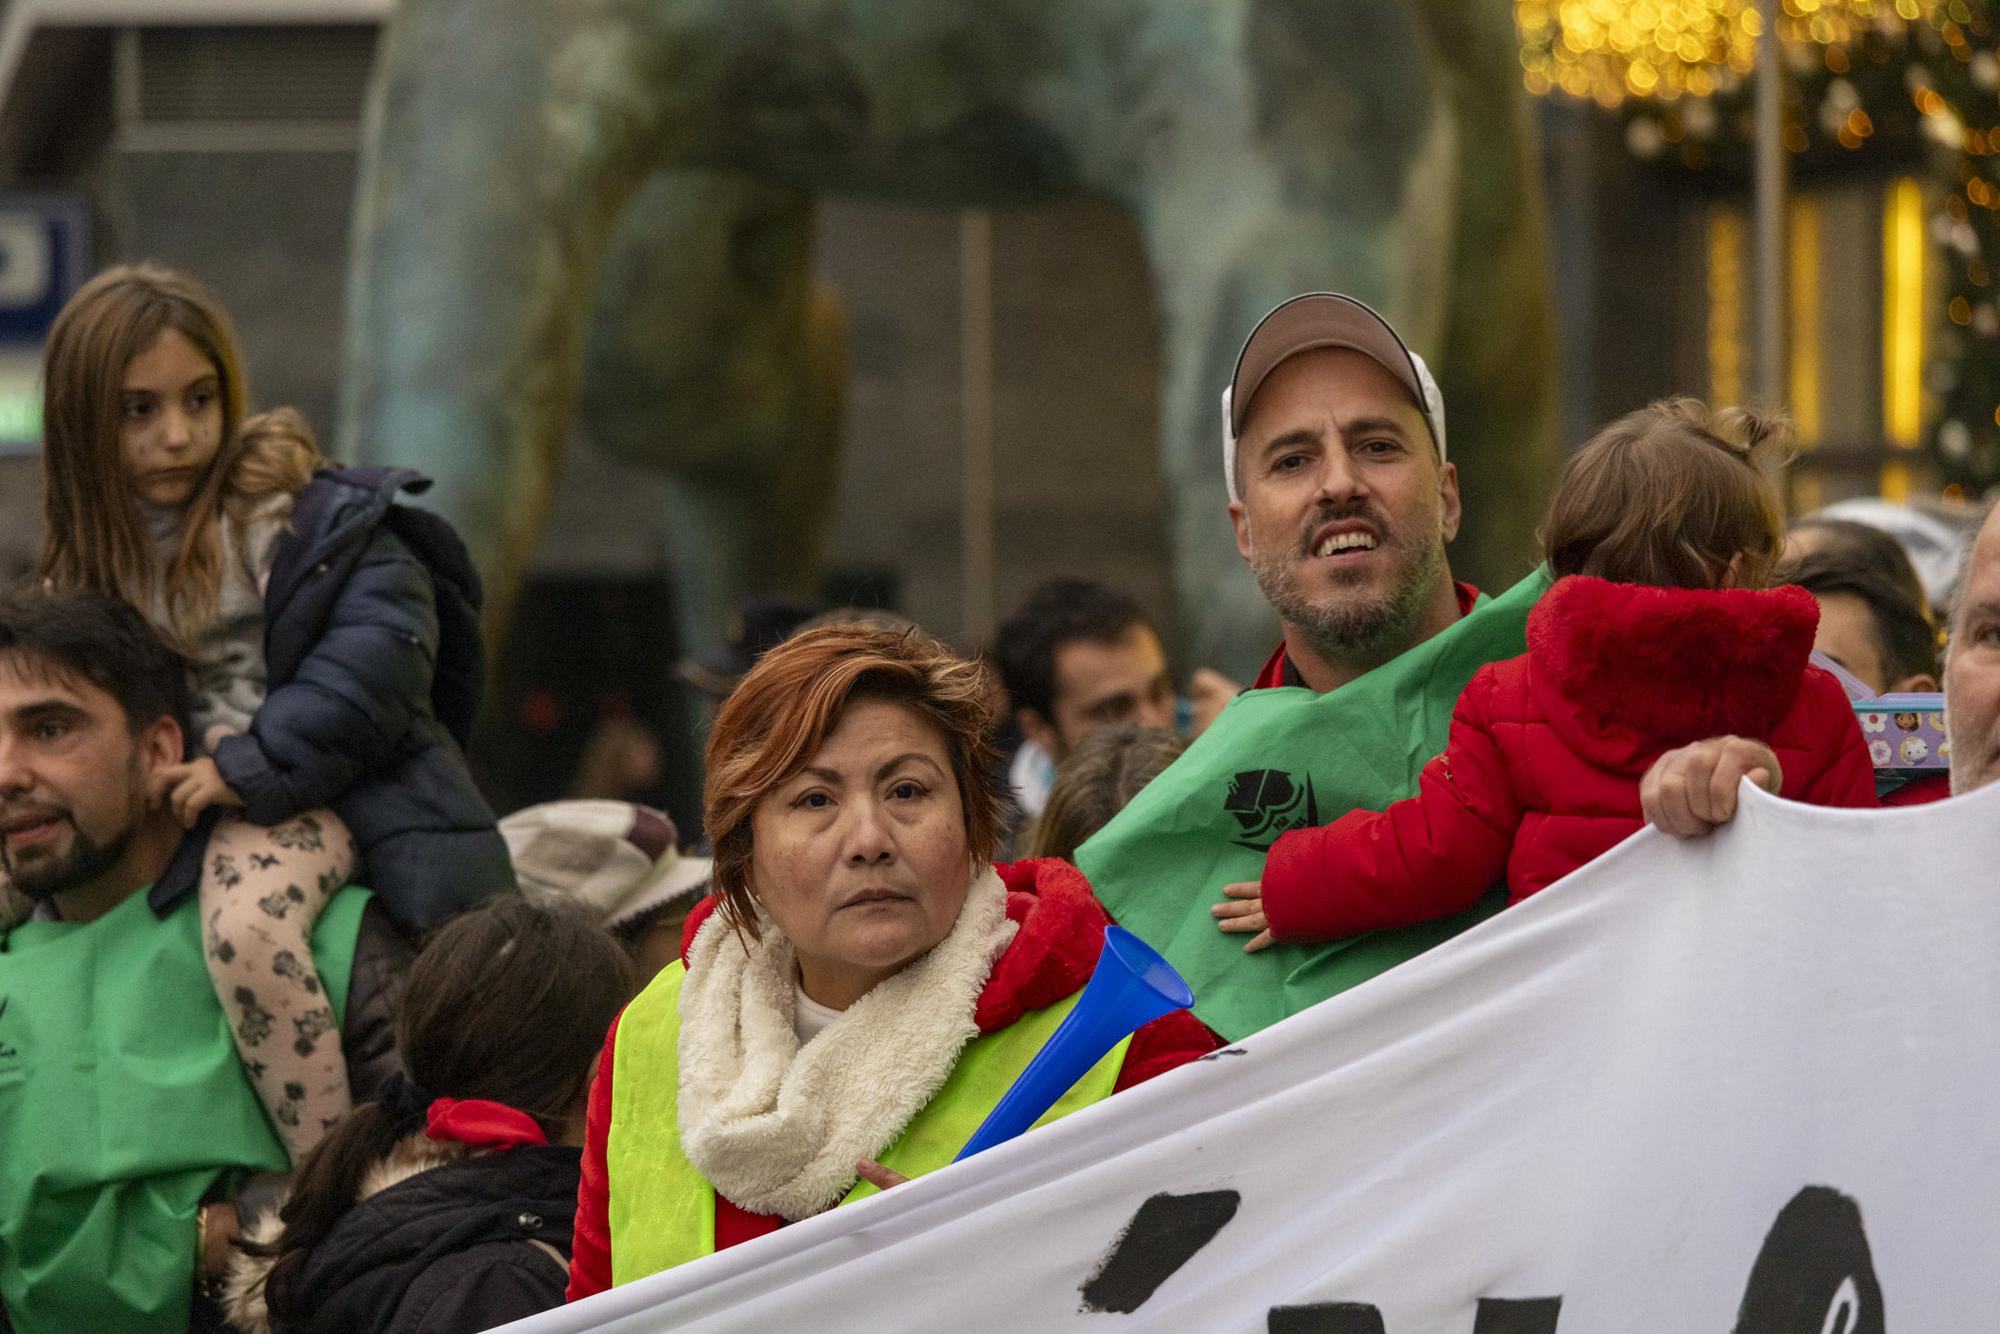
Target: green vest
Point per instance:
(661, 1209)
(124, 1107)
(1282, 759)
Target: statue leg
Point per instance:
(491, 182)
(1500, 342)
(713, 357)
(1331, 153)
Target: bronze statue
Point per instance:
(605, 206)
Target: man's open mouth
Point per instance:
(1342, 539)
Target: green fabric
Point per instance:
(1288, 758)
(125, 1109)
(661, 1211)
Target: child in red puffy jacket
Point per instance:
(1659, 631)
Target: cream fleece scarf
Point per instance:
(776, 1127)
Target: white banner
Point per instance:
(1746, 1083)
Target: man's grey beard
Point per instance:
(1358, 630)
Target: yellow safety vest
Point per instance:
(662, 1210)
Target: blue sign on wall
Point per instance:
(44, 257)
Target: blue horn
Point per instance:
(1131, 987)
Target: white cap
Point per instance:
(615, 858)
(1316, 320)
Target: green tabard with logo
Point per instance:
(1283, 759)
(124, 1108)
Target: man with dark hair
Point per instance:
(1856, 546)
(129, 1120)
(69, 835)
(1076, 657)
(1868, 624)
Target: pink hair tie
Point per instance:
(482, 1124)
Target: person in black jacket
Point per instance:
(334, 642)
(446, 1205)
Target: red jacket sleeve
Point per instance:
(1425, 857)
(1842, 773)
(1169, 1041)
(590, 1251)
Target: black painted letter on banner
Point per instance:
(1326, 1318)
(1162, 1236)
(1517, 1315)
(1815, 1274)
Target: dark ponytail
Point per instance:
(509, 1002)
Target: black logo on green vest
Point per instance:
(1268, 803)
(7, 1053)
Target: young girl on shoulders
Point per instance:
(1660, 630)
(314, 634)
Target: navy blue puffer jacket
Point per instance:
(371, 642)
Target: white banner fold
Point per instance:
(1746, 1083)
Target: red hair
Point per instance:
(784, 709)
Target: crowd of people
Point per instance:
(295, 1034)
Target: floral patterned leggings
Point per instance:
(262, 889)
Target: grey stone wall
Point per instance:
(1075, 423)
(1075, 420)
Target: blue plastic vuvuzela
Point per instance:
(1131, 986)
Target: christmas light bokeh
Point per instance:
(1906, 85)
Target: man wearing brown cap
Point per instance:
(1339, 489)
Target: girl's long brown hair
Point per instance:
(95, 537)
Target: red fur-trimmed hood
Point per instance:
(1622, 670)
(1054, 952)
(1061, 931)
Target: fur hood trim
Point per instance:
(1053, 955)
(243, 1282)
(776, 1127)
(1623, 669)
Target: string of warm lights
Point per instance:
(1869, 79)
(1609, 50)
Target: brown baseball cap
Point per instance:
(1317, 320)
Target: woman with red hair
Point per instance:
(863, 984)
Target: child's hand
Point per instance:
(1246, 914)
(191, 788)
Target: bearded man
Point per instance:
(1342, 500)
(132, 1132)
(1339, 490)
